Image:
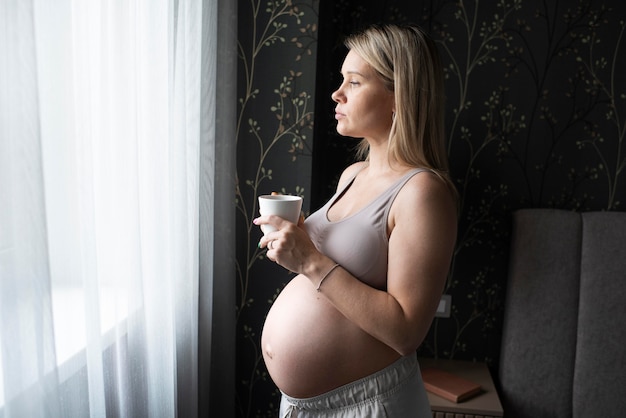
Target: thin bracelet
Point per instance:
(325, 276)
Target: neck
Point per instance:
(380, 163)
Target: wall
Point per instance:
(276, 91)
(536, 117)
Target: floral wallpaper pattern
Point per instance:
(277, 45)
(536, 117)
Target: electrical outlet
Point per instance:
(443, 310)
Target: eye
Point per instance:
(354, 83)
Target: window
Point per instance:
(100, 162)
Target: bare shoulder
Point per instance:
(425, 194)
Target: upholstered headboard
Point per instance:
(564, 337)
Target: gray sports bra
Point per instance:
(359, 242)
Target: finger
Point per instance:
(272, 220)
(267, 238)
(261, 220)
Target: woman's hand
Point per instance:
(288, 246)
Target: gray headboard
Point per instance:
(564, 337)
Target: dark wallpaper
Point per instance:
(536, 117)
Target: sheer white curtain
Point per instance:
(102, 143)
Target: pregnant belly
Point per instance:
(310, 348)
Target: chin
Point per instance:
(343, 131)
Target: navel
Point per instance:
(269, 352)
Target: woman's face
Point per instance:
(364, 105)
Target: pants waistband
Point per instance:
(362, 390)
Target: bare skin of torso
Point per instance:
(309, 347)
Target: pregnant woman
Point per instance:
(341, 338)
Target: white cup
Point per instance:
(286, 206)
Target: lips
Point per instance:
(339, 115)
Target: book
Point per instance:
(448, 385)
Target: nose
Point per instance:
(338, 96)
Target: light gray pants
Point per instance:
(397, 391)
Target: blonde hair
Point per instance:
(407, 60)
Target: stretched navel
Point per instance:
(268, 351)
